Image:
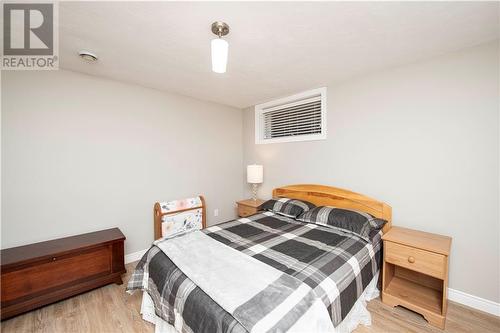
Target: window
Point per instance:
(300, 117)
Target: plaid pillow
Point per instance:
(358, 223)
(287, 207)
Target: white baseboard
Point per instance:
(135, 256)
(474, 302)
(453, 295)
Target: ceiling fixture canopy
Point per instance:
(219, 47)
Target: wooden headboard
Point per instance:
(322, 195)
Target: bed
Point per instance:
(336, 270)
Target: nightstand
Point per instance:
(248, 207)
(415, 272)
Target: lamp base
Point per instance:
(254, 192)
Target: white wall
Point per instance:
(425, 139)
(80, 154)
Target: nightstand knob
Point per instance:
(411, 260)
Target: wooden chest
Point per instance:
(38, 274)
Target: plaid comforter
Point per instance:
(336, 265)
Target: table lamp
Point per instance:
(255, 175)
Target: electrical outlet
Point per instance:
(216, 212)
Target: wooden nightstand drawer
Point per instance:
(245, 211)
(422, 261)
(248, 207)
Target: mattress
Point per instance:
(337, 265)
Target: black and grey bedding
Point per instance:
(287, 207)
(336, 265)
(359, 223)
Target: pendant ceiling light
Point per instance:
(219, 47)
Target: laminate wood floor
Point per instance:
(110, 309)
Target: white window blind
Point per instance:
(296, 118)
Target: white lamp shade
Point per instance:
(255, 174)
(219, 55)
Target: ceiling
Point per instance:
(275, 48)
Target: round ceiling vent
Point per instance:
(87, 56)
